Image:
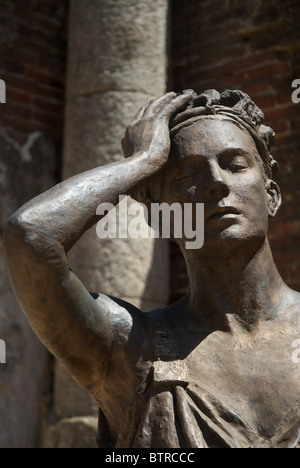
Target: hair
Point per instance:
(239, 107)
(234, 105)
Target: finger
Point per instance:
(153, 106)
(179, 103)
(140, 113)
(187, 114)
(156, 105)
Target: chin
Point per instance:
(234, 236)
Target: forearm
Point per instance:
(67, 319)
(65, 212)
(62, 214)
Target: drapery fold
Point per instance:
(188, 417)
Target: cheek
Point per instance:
(174, 192)
(251, 192)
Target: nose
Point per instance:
(216, 186)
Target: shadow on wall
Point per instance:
(25, 171)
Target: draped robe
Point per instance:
(180, 413)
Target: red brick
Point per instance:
(47, 106)
(33, 61)
(17, 96)
(45, 23)
(221, 47)
(284, 229)
(17, 109)
(19, 82)
(258, 87)
(18, 123)
(264, 70)
(287, 137)
(280, 126)
(285, 97)
(266, 101)
(6, 9)
(255, 60)
(46, 119)
(295, 122)
(282, 112)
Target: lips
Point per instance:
(222, 212)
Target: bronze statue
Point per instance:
(215, 369)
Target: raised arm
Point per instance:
(76, 328)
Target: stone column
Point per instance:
(116, 63)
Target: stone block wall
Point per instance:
(32, 63)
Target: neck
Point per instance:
(240, 287)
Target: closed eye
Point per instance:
(184, 177)
(235, 160)
(238, 163)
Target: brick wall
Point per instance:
(251, 45)
(32, 63)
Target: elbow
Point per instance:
(30, 255)
(20, 236)
(12, 229)
(13, 236)
(25, 238)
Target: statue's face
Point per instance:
(215, 162)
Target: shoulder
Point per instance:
(129, 325)
(291, 311)
(292, 300)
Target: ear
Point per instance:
(274, 197)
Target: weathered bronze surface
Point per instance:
(216, 368)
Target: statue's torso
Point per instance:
(246, 386)
(218, 389)
(258, 381)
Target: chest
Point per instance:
(257, 381)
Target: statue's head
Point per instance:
(220, 156)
